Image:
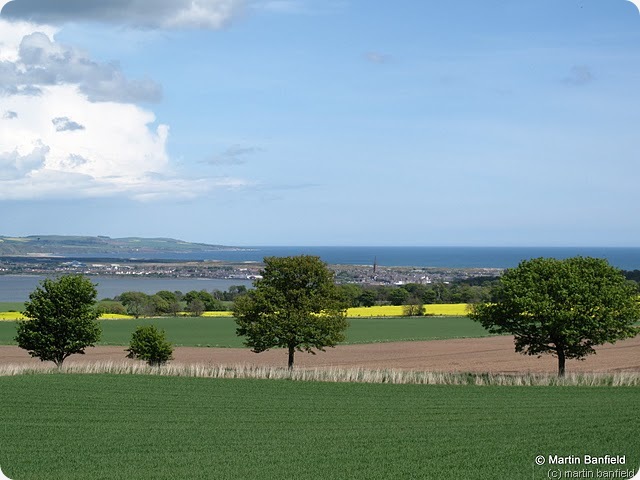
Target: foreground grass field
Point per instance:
(60, 426)
(220, 332)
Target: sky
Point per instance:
(322, 122)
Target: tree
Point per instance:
(171, 302)
(110, 306)
(137, 303)
(150, 344)
(368, 298)
(296, 306)
(398, 296)
(236, 291)
(195, 306)
(61, 319)
(350, 294)
(561, 307)
(209, 303)
(413, 308)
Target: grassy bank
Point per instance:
(337, 374)
(220, 332)
(151, 427)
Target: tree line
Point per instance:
(461, 291)
(165, 302)
(411, 295)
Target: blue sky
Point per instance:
(335, 122)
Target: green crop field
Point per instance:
(220, 332)
(11, 306)
(63, 426)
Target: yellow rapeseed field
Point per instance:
(454, 309)
(12, 316)
(217, 314)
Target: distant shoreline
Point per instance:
(626, 258)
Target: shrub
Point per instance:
(150, 344)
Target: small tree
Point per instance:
(561, 307)
(61, 319)
(150, 344)
(296, 305)
(413, 308)
(195, 306)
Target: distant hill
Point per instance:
(41, 245)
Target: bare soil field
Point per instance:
(492, 354)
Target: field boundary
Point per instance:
(336, 375)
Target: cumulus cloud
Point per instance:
(64, 124)
(73, 134)
(40, 62)
(73, 161)
(169, 14)
(579, 75)
(234, 155)
(14, 165)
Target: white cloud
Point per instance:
(61, 142)
(41, 61)
(14, 165)
(65, 124)
(166, 14)
(12, 33)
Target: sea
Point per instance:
(17, 287)
(626, 258)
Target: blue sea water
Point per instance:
(16, 288)
(455, 257)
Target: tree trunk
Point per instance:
(561, 362)
(291, 352)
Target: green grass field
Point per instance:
(220, 332)
(60, 426)
(11, 306)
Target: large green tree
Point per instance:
(61, 320)
(296, 306)
(561, 307)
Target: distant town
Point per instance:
(359, 274)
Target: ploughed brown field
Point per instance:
(492, 354)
